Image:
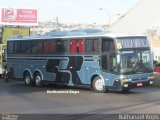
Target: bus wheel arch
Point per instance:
(97, 84)
(27, 77)
(38, 79)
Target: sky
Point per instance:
(75, 11)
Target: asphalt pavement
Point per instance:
(16, 97)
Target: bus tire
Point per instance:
(38, 80)
(97, 85)
(27, 79)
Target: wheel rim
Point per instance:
(37, 80)
(27, 79)
(99, 84)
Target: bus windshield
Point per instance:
(135, 61)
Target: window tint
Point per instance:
(65, 45)
(10, 47)
(25, 46)
(37, 46)
(96, 44)
(49, 47)
(59, 46)
(17, 47)
(89, 46)
(107, 44)
(92, 45)
(55, 46)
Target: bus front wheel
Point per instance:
(38, 80)
(97, 85)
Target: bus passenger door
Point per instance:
(104, 61)
(112, 64)
(76, 60)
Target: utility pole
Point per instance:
(57, 23)
(108, 14)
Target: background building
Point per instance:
(143, 18)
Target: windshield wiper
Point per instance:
(148, 69)
(124, 71)
(140, 68)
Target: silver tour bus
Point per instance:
(101, 61)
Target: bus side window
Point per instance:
(107, 44)
(49, 46)
(89, 46)
(46, 47)
(92, 45)
(17, 47)
(37, 47)
(10, 47)
(52, 47)
(25, 47)
(73, 46)
(59, 46)
(96, 45)
(80, 46)
(65, 44)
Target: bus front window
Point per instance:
(135, 61)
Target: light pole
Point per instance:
(109, 17)
(57, 23)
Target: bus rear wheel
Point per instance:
(27, 79)
(97, 85)
(38, 80)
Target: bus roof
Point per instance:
(75, 34)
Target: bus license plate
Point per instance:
(139, 84)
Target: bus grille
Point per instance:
(139, 79)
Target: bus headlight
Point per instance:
(123, 80)
(125, 85)
(150, 82)
(151, 77)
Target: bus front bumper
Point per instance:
(118, 86)
(128, 86)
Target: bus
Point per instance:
(102, 62)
